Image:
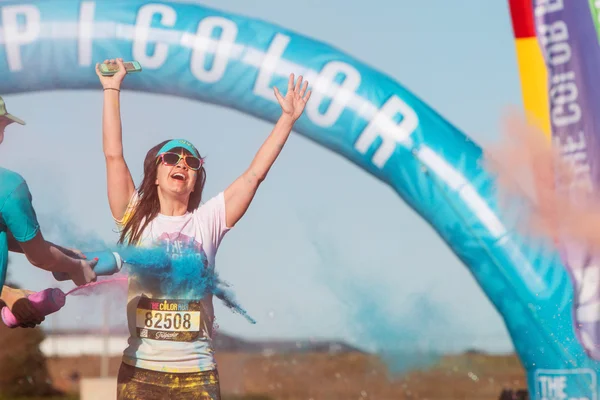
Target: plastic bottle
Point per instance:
(45, 302)
(109, 263)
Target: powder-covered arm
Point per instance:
(240, 193)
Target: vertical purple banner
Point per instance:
(567, 35)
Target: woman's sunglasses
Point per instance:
(172, 159)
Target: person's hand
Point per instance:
(16, 300)
(112, 82)
(295, 99)
(83, 272)
(73, 253)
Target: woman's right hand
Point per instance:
(112, 82)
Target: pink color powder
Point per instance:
(90, 288)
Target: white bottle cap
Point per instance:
(119, 261)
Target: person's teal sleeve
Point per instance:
(19, 216)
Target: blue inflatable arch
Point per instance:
(192, 51)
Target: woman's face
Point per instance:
(177, 180)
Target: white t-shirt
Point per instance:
(174, 335)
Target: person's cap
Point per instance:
(5, 114)
(172, 144)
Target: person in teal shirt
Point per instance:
(20, 232)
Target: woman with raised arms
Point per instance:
(166, 209)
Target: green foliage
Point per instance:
(23, 370)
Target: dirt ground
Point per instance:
(349, 376)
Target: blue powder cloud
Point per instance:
(182, 277)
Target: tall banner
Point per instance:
(356, 111)
(567, 32)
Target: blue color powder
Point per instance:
(187, 276)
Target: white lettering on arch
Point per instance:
(382, 125)
(168, 17)
(222, 52)
(325, 87)
(15, 35)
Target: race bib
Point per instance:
(173, 320)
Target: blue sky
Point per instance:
(459, 58)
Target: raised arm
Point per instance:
(240, 193)
(119, 181)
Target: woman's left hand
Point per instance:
(295, 99)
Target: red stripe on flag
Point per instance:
(521, 12)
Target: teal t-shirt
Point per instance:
(16, 215)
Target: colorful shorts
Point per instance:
(142, 384)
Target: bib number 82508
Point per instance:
(175, 321)
(169, 321)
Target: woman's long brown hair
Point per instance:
(148, 205)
